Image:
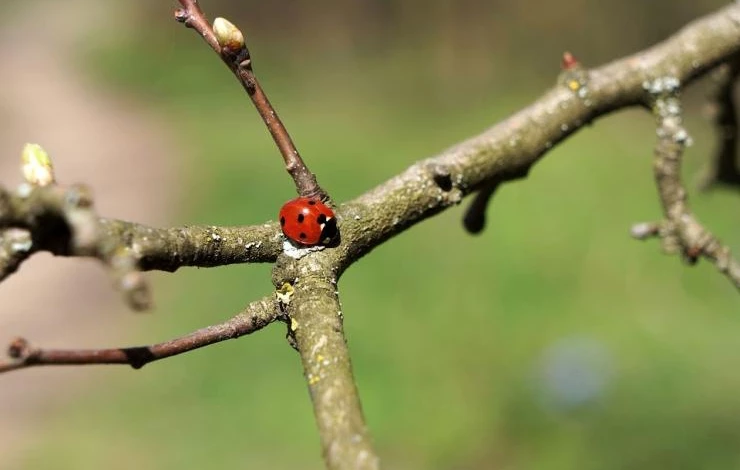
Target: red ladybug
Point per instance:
(308, 221)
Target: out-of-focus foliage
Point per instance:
(458, 33)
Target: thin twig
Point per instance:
(680, 231)
(240, 63)
(21, 354)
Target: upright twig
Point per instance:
(228, 41)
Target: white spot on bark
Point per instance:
(296, 252)
(319, 344)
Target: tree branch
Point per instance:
(514, 145)
(61, 220)
(311, 300)
(573, 77)
(168, 249)
(307, 283)
(475, 217)
(257, 315)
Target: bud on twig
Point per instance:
(228, 35)
(36, 165)
(569, 61)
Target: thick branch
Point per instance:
(575, 78)
(61, 220)
(317, 332)
(512, 146)
(168, 249)
(257, 315)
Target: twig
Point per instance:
(233, 51)
(680, 231)
(21, 354)
(724, 166)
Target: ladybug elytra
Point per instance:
(308, 222)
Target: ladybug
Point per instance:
(308, 222)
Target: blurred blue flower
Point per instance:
(574, 372)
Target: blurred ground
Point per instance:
(112, 145)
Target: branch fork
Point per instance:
(306, 295)
(680, 231)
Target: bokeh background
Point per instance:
(551, 341)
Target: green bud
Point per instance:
(36, 165)
(228, 35)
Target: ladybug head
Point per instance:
(328, 228)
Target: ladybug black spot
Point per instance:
(312, 203)
(302, 235)
(282, 221)
(321, 219)
(300, 218)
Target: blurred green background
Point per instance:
(551, 341)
